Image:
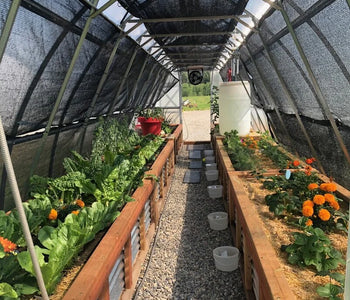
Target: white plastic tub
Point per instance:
(218, 220)
(226, 258)
(210, 159)
(212, 175)
(215, 191)
(212, 166)
(208, 152)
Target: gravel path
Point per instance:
(196, 125)
(182, 265)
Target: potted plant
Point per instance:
(151, 120)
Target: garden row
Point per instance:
(66, 213)
(286, 219)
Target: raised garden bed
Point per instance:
(259, 235)
(113, 268)
(61, 221)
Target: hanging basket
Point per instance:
(150, 125)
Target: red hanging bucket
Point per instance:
(150, 125)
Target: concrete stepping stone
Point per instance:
(195, 164)
(195, 155)
(192, 177)
(196, 147)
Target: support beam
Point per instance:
(103, 8)
(320, 97)
(6, 31)
(194, 53)
(293, 105)
(201, 45)
(176, 34)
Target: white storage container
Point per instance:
(215, 191)
(218, 220)
(212, 175)
(211, 166)
(226, 258)
(234, 107)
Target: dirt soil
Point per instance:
(302, 281)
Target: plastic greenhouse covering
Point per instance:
(42, 43)
(65, 65)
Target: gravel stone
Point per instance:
(182, 264)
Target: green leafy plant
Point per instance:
(242, 157)
(154, 113)
(214, 104)
(313, 248)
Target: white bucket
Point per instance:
(212, 166)
(212, 175)
(234, 107)
(208, 152)
(218, 220)
(215, 191)
(226, 258)
(210, 159)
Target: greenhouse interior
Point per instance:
(112, 189)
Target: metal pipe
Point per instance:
(180, 97)
(292, 103)
(62, 91)
(6, 157)
(320, 97)
(6, 31)
(271, 100)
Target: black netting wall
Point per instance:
(322, 27)
(36, 60)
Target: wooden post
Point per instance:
(248, 280)
(128, 263)
(161, 185)
(154, 207)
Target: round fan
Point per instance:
(195, 77)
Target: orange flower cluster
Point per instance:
(75, 212)
(311, 160)
(309, 222)
(328, 187)
(319, 199)
(53, 214)
(296, 163)
(308, 170)
(332, 201)
(7, 245)
(308, 211)
(80, 203)
(312, 186)
(250, 142)
(324, 214)
(308, 203)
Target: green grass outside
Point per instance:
(197, 103)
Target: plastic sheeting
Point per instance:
(154, 9)
(323, 31)
(39, 51)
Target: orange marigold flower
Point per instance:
(308, 203)
(334, 204)
(319, 199)
(309, 161)
(308, 211)
(53, 214)
(324, 214)
(329, 197)
(308, 170)
(75, 212)
(296, 163)
(308, 222)
(328, 187)
(331, 187)
(312, 186)
(80, 203)
(7, 245)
